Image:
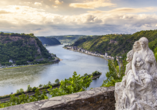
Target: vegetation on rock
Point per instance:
(22, 49)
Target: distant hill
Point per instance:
(49, 40)
(67, 38)
(118, 44)
(22, 49)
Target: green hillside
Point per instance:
(116, 44)
(22, 49)
(49, 40)
(67, 38)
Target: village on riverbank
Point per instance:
(105, 56)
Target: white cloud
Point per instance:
(55, 6)
(38, 4)
(24, 3)
(28, 19)
(58, 2)
(93, 4)
(126, 10)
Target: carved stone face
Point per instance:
(136, 46)
(143, 45)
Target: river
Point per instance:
(13, 79)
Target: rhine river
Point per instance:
(13, 79)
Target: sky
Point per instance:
(77, 17)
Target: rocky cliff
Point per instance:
(21, 49)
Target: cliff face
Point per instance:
(21, 49)
(49, 41)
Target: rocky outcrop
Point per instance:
(21, 48)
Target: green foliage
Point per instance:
(155, 53)
(40, 85)
(34, 88)
(20, 91)
(74, 84)
(21, 99)
(21, 48)
(114, 75)
(116, 44)
(63, 39)
(57, 81)
(49, 83)
(96, 73)
(29, 88)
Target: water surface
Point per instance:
(13, 79)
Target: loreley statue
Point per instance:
(138, 89)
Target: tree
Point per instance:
(21, 90)
(40, 85)
(29, 88)
(49, 83)
(155, 53)
(57, 81)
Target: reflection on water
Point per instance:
(22, 75)
(13, 79)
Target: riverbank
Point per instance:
(56, 60)
(88, 52)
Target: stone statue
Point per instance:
(138, 89)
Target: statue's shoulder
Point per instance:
(150, 53)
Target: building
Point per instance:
(10, 61)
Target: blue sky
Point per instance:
(77, 17)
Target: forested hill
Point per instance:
(116, 44)
(67, 38)
(49, 41)
(22, 49)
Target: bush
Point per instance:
(96, 73)
(74, 84)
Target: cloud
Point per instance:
(33, 20)
(133, 10)
(93, 4)
(24, 3)
(4, 12)
(58, 2)
(37, 4)
(126, 10)
(55, 6)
